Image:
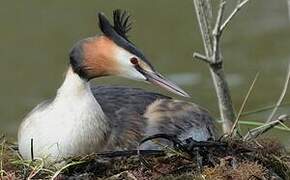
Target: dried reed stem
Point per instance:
(281, 96)
(254, 133)
(243, 105)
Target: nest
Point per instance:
(221, 159)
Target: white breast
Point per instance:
(72, 124)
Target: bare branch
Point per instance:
(254, 133)
(281, 96)
(212, 51)
(233, 14)
(289, 8)
(234, 127)
(201, 57)
(220, 15)
(204, 16)
(217, 34)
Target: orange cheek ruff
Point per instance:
(99, 57)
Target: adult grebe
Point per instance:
(82, 119)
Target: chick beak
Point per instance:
(159, 80)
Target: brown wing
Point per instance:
(134, 113)
(125, 108)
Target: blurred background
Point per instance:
(36, 36)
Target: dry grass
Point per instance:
(228, 159)
(243, 171)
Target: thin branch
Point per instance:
(202, 57)
(233, 14)
(31, 149)
(284, 125)
(128, 153)
(220, 15)
(234, 127)
(289, 8)
(254, 133)
(204, 15)
(217, 34)
(257, 124)
(263, 109)
(281, 96)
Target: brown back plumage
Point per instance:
(134, 114)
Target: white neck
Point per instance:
(76, 93)
(73, 85)
(75, 96)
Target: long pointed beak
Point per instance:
(159, 80)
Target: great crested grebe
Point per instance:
(82, 119)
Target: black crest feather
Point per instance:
(122, 24)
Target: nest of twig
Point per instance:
(222, 159)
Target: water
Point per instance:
(37, 35)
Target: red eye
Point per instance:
(134, 60)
